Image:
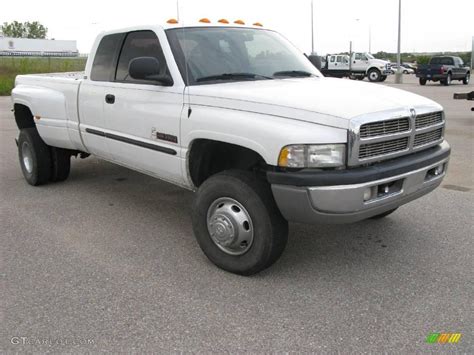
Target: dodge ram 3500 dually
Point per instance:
(237, 114)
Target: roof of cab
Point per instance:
(167, 26)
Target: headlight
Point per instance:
(312, 156)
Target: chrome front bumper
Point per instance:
(354, 202)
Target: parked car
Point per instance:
(444, 69)
(240, 116)
(405, 69)
(359, 66)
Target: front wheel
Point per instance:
(465, 81)
(237, 223)
(383, 78)
(422, 81)
(374, 75)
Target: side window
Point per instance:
(103, 67)
(358, 56)
(139, 44)
(332, 59)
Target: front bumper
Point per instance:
(338, 196)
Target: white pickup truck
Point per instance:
(358, 66)
(240, 116)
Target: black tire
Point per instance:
(422, 81)
(383, 78)
(374, 75)
(466, 79)
(35, 157)
(405, 72)
(447, 81)
(385, 214)
(60, 164)
(270, 229)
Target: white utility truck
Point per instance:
(237, 114)
(357, 66)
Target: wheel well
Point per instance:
(23, 116)
(208, 157)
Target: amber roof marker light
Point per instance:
(172, 21)
(258, 24)
(205, 20)
(239, 22)
(223, 20)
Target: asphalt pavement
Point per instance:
(107, 261)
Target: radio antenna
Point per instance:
(186, 92)
(177, 10)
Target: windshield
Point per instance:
(370, 56)
(223, 54)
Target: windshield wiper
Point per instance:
(232, 76)
(293, 73)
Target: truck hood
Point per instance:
(378, 62)
(328, 101)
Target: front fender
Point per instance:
(264, 134)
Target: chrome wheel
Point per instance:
(27, 157)
(230, 226)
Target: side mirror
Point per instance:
(148, 68)
(315, 60)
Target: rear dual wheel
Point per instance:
(39, 162)
(447, 81)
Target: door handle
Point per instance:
(110, 99)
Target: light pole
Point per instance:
(399, 73)
(370, 39)
(312, 28)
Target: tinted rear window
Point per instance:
(442, 60)
(103, 68)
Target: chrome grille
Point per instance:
(428, 137)
(382, 148)
(373, 139)
(428, 119)
(382, 128)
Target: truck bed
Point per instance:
(78, 75)
(52, 100)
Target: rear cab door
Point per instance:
(91, 94)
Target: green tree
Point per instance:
(17, 29)
(35, 30)
(14, 29)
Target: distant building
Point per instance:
(27, 47)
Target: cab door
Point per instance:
(91, 95)
(142, 118)
(360, 62)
